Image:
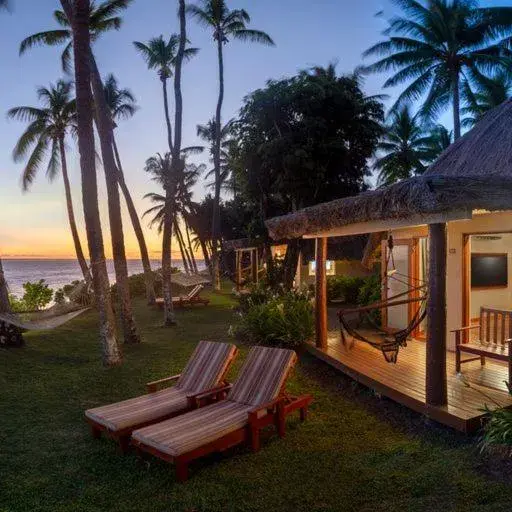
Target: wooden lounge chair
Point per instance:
(256, 399)
(192, 298)
(204, 372)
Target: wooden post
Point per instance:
(321, 293)
(435, 385)
(237, 270)
(257, 266)
(254, 266)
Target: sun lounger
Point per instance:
(190, 299)
(205, 371)
(256, 399)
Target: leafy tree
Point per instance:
(47, 130)
(402, 148)
(432, 44)
(36, 296)
(121, 104)
(487, 94)
(305, 140)
(224, 24)
(162, 56)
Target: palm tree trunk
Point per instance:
(175, 168)
(206, 254)
(5, 305)
(456, 105)
(187, 252)
(194, 262)
(180, 244)
(10, 335)
(216, 161)
(105, 132)
(79, 20)
(137, 228)
(71, 214)
(167, 115)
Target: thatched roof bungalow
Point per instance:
(452, 229)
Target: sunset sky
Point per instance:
(306, 33)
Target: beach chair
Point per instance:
(190, 299)
(257, 399)
(204, 372)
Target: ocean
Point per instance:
(58, 273)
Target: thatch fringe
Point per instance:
(474, 173)
(422, 195)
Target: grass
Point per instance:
(355, 452)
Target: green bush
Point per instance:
(36, 296)
(498, 430)
(344, 288)
(257, 294)
(370, 293)
(285, 320)
(137, 283)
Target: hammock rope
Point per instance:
(390, 341)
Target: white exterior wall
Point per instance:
(481, 223)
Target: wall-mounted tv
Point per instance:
(489, 270)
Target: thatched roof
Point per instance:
(473, 173)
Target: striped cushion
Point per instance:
(262, 376)
(190, 431)
(206, 366)
(142, 409)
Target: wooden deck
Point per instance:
(404, 382)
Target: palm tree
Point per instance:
(225, 24)
(47, 130)
(79, 12)
(438, 140)
(488, 94)
(206, 132)
(101, 18)
(431, 46)
(403, 148)
(121, 103)
(161, 56)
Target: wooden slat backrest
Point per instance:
(495, 325)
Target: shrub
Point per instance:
(370, 293)
(498, 430)
(257, 294)
(344, 288)
(36, 297)
(285, 320)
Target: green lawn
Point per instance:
(355, 452)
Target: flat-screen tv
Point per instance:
(489, 270)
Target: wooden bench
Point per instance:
(494, 338)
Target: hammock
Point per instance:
(43, 320)
(388, 342)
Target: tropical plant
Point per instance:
(80, 13)
(224, 24)
(121, 103)
(432, 44)
(47, 130)
(280, 319)
(36, 296)
(344, 288)
(101, 18)
(498, 429)
(401, 147)
(182, 206)
(488, 93)
(207, 132)
(301, 141)
(161, 56)
(436, 142)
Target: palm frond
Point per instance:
(253, 36)
(48, 38)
